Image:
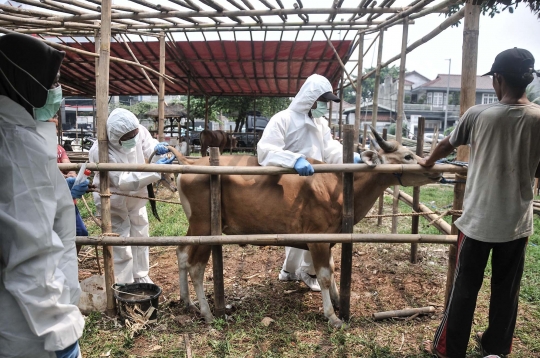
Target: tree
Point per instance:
(368, 85)
(404, 129)
(532, 94)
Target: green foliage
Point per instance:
(404, 129)
(369, 83)
(139, 108)
(494, 7)
(448, 130)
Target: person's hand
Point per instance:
(357, 158)
(161, 148)
(77, 191)
(166, 160)
(69, 352)
(425, 162)
(303, 167)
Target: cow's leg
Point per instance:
(182, 253)
(321, 260)
(197, 265)
(334, 293)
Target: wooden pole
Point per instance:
(188, 119)
(400, 114)
(266, 239)
(347, 225)
(263, 170)
(358, 110)
(416, 189)
(381, 198)
(344, 71)
(330, 116)
(215, 229)
(375, 109)
(161, 97)
(469, 58)
(340, 125)
(102, 98)
(364, 138)
(403, 313)
(206, 112)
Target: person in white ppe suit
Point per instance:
(129, 142)
(39, 287)
(290, 137)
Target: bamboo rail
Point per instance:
(266, 239)
(231, 170)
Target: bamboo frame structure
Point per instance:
(67, 19)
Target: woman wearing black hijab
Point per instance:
(39, 287)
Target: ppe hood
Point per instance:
(311, 90)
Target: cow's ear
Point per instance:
(370, 158)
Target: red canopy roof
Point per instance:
(259, 68)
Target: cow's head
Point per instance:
(233, 141)
(391, 152)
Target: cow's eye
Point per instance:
(408, 157)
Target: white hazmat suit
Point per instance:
(128, 215)
(39, 287)
(292, 134)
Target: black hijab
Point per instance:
(33, 56)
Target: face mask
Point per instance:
(130, 143)
(319, 111)
(52, 104)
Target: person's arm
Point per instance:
(442, 150)
(70, 173)
(31, 250)
(270, 148)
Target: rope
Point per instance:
(455, 162)
(136, 196)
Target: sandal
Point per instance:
(478, 338)
(428, 347)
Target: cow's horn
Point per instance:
(373, 143)
(386, 146)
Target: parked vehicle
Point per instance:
(428, 137)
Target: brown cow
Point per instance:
(217, 138)
(280, 204)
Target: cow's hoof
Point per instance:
(191, 308)
(335, 322)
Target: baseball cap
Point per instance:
(514, 60)
(329, 96)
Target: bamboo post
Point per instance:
(403, 313)
(467, 99)
(400, 113)
(254, 122)
(341, 107)
(205, 114)
(188, 114)
(215, 229)
(416, 189)
(375, 109)
(330, 116)
(161, 97)
(357, 112)
(102, 98)
(381, 198)
(435, 138)
(347, 225)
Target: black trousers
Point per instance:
(452, 336)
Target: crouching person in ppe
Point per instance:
(39, 287)
(290, 137)
(129, 142)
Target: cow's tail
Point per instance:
(151, 195)
(180, 157)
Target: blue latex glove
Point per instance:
(77, 191)
(357, 158)
(166, 160)
(303, 167)
(69, 352)
(161, 148)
